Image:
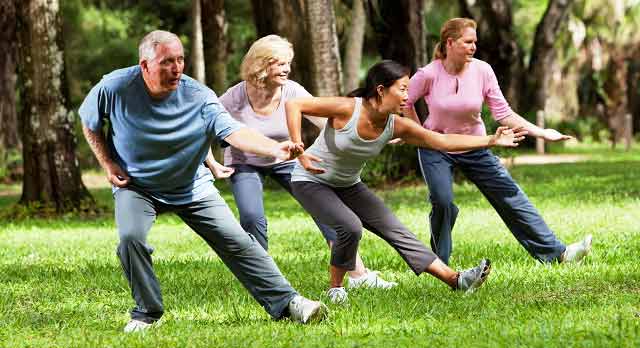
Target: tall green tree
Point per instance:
(51, 173)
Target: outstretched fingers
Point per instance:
(307, 159)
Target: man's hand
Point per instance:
(307, 159)
(116, 175)
(221, 172)
(507, 137)
(553, 135)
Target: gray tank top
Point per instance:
(343, 152)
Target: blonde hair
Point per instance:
(148, 44)
(263, 52)
(451, 29)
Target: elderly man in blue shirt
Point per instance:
(161, 124)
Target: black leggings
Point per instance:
(347, 210)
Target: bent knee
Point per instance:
(441, 200)
(131, 233)
(351, 230)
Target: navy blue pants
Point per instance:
(246, 184)
(494, 181)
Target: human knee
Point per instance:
(132, 233)
(351, 231)
(441, 199)
(252, 221)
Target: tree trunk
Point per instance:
(51, 173)
(9, 138)
(615, 87)
(543, 52)
(287, 19)
(325, 52)
(214, 27)
(400, 35)
(633, 81)
(497, 44)
(399, 30)
(197, 52)
(353, 51)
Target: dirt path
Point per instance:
(542, 159)
(95, 179)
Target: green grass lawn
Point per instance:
(61, 284)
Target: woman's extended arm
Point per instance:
(517, 121)
(414, 134)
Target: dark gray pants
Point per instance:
(246, 184)
(212, 220)
(494, 181)
(347, 210)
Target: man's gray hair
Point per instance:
(147, 47)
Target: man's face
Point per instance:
(162, 73)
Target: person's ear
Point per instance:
(144, 65)
(380, 90)
(449, 42)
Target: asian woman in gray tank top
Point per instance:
(258, 102)
(326, 179)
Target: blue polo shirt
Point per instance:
(161, 144)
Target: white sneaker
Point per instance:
(371, 279)
(337, 295)
(135, 325)
(577, 251)
(304, 311)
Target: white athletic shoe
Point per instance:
(305, 311)
(371, 279)
(337, 295)
(135, 325)
(471, 279)
(577, 251)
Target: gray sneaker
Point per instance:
(577, 251)
(337, 295)
(305, 311)
(473, 278)
(135, 325)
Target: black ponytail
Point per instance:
(384, 73)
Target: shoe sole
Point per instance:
(485, 273)
(318, 314)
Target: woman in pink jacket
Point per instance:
(455, 85)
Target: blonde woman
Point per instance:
(259, 102)
(455, 85)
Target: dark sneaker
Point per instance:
(473, 278)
